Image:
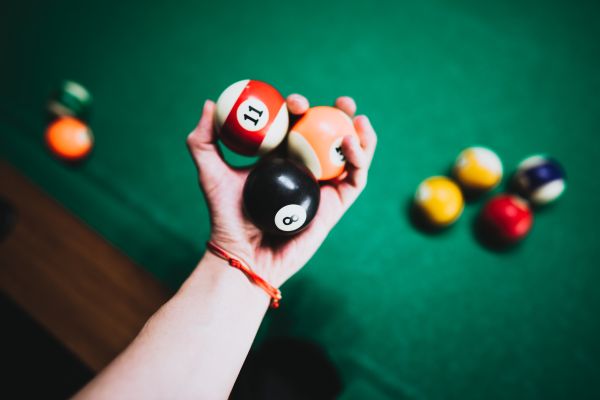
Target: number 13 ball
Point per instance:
(251, 117)
(316, 141)
(280, 196)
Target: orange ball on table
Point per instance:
(69, 138)
(316, 141)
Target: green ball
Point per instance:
(70, 99)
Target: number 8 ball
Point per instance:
(280, 196)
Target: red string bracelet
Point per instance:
(243, 266)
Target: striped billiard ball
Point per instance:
(478, 169)
(316, 141)
(70, 99)
(540, 179)
(251, 117)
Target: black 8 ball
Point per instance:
(281, 197)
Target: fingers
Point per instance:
(353, 153)
(203, 134)
(346, 104)
(203, 147)
(297, 104)
(356, 163)
(358, 158)
(328, 214)
(367, 136)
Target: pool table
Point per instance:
(401, 312)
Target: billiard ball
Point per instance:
(478, 169)
(69, 138)
(251, 117)
(439, 200)
(540, 179)
(281, 196)
(316, 141)
(70, 99)
(507, 218)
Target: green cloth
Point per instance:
(403, 314)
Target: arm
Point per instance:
(195, 345)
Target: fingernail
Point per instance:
(363, 120)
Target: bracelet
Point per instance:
(243, 266)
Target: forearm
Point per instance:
(195, 345)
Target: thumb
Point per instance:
(202, 144)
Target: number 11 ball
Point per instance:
(280, 196)
(251, 117)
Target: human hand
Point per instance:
(275, 258)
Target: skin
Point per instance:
(195, 345)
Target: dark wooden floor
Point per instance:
(83, 291)
(35, 365)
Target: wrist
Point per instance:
(214, 277)
(240, 264)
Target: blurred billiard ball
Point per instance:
(70, 99)
(251, 117)
(540, 179)
(280, 196)
(506, 219)
(69, 139)
(478, 169)
(439, 201)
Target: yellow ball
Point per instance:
(440, 200)
(478, 168)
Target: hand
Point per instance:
(276, 259)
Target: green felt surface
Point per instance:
(402, 314)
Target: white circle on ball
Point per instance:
(335, 153)
(290, 217)
(252, 114)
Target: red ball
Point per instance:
(508, 217)
(251, 117)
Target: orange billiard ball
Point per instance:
(69, 138)
(316, 141)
